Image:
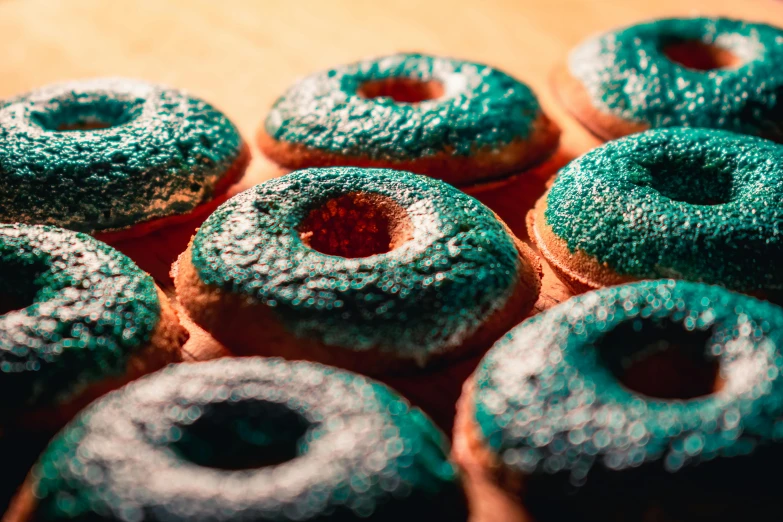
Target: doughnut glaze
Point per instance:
(552, 403)
(250, 439)
(683, 203)
(76, 313)
(106, 154)
(448, 110)
(632, 74)
(446, 267)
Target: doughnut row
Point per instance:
(654, 395)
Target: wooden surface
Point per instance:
(241, 55)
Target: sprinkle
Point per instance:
(75, 312)
(702, 205)
(295, 441)
(155, 152)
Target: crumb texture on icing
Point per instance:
(628, 74)
(457, 266)
(156, 450)
(691, 204)
(106, 154)
(480, 108)
(74, 312)
(548, 403)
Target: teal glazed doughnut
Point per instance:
(558, 403)
(258, 439)
(694, 204)
(78, 318)
(113, 155)
(458, 121)
(696, 72)
(366, 269)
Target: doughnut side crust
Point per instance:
(163, 348)
(575, 98)
(250, 327)
(579, 270)
(485, 164)
(492, 490)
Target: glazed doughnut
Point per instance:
(367, 269)
(251, 439)
(79, 319)
(713, 73)
(692, 204)
(450, 119)
(656, 400)
(114, 157)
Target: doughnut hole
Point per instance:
(700, 56)
(355, 225)
(97, 114)
(242, 436)
(691, 181)
(662, 359)
(18, 284)
(402, 90)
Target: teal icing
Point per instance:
(79, 310)
(627, 74)
(481, 107)
(548, 404)
(684, 203)
(161, 153)
(359, 450)
(417, 300)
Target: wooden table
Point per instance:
(240, 55)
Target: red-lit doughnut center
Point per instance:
(700, 56)
(86, 125)
(402, 90)
(356, 225)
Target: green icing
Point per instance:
(359, 451)
(419, 299)
(481, 107)
(685, 203)
(78, 311)
(548, 402)
(626, 73)
(161, 154)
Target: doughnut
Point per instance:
(114, 157)
(254, 439)
(371, 270)
(696, 204)
(78, 319)
(656, 400)
(457, 121)
(714, 73)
